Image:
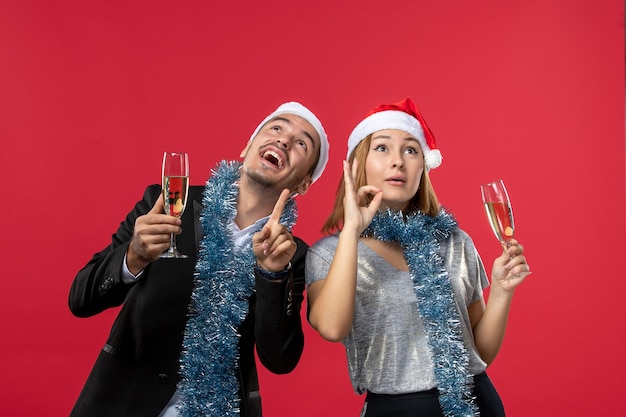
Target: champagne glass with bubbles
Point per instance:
(175, 175)
(499, 212)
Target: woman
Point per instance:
(401, 285)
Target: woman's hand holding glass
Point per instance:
(510, 268)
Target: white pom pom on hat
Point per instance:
(298, 109)
(402, 116)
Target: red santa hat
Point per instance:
(402, 116)
(298, 109)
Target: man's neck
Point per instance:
(253, 203)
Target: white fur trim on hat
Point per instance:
(399, 120)
(298, 109)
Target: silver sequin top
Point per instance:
(387, 348)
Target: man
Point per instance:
(183, 341)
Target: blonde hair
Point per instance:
(425, 200)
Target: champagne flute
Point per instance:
(500, 214)
(175, 175)
(498, 208)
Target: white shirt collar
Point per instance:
(240, 236)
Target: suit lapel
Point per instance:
(197, 212)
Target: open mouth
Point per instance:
(273, 158)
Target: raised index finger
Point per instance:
(279, 206)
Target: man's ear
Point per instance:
(245, 150)
(304, 185)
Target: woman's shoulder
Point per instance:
(321, 252)
(326, 243)
(460, 236)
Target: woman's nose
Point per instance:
(397, 162)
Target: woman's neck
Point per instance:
(389, 251)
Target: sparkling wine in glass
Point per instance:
(500, 214)
(498, 208)
(175, 175)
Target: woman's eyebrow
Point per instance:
(407, 138)
(381, 137)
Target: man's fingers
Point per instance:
(157, 215)
(156, 224)
(279, 206)
(158, 207)
(261, 235)
(270, 245)
(270, 237)
(282, 246)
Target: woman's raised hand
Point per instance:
(358, 213)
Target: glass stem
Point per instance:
(172, 248)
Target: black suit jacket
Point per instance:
(136, 372)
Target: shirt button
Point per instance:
(163, 378)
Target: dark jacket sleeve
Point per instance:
(278, 327)
(98, 285)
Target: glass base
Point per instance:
(172, 251)
(172, 254)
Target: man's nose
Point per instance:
(284, 141)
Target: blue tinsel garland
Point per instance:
(419, 236)
(219, 303)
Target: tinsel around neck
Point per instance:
(419, 235)
(223, 285)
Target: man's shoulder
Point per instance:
(151, 192)
(301, 243)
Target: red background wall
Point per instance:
(92, 93)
